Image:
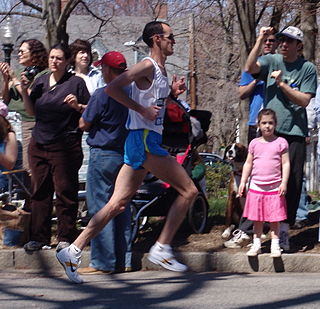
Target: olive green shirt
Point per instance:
(300, 75)
(16, 103)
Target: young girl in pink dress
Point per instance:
(268, 166)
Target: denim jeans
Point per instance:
(303, 209)
(111, 248)
(297, 154)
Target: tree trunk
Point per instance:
(276, 15)
(192, 68)
(55, 14)
(309, 27)
(246, 17)
(51, 14)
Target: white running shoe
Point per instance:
(70, 262)
(162, 255)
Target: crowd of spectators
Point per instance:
(60, 94)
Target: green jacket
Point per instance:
(16, 104)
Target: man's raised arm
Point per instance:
(252, 66)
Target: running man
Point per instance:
(143, 152)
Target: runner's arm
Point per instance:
(140, 71)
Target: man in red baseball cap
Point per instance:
(104, 118)
(113, 59)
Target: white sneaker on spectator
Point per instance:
(228, 232)
(162, 255)
(240, 239)
(254, 251)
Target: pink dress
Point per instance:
(263, 202)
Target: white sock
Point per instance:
(74, 249)
(275, 243)
(162, 246)
(257, 242)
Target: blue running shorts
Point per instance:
(139, 142)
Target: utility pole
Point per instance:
(192, 68)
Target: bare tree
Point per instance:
(309, 27)
(53, 13)
(246, 13)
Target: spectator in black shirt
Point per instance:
(57, 101)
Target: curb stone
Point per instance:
(46, 261)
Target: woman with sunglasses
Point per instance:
(57, 100)
(34, 57)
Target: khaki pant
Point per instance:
(26, 128)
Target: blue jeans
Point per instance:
(111, 248)
(303, 209)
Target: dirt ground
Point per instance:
(303, 240)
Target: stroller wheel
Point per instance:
(198, 214)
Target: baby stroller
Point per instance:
(183, 133)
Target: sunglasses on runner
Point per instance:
(170, 36)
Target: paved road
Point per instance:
(161, 289)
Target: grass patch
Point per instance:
(217, 179)
(315, 196)
(217, 206)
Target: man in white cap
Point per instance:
(291, 82)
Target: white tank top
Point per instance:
(154, 95)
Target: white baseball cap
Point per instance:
(291, 32)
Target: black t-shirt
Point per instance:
(55, 119)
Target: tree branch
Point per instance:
(8, 13)
(32, 5)
(20, 14)
(93, 14)
(103, 21)
(69, 7)
(261, 12)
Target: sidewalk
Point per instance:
(45, 261)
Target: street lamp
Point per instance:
(140, 50)
(7, 36)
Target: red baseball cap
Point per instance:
(113, 59)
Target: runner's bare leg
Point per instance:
(127, 183)
(168, 170)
